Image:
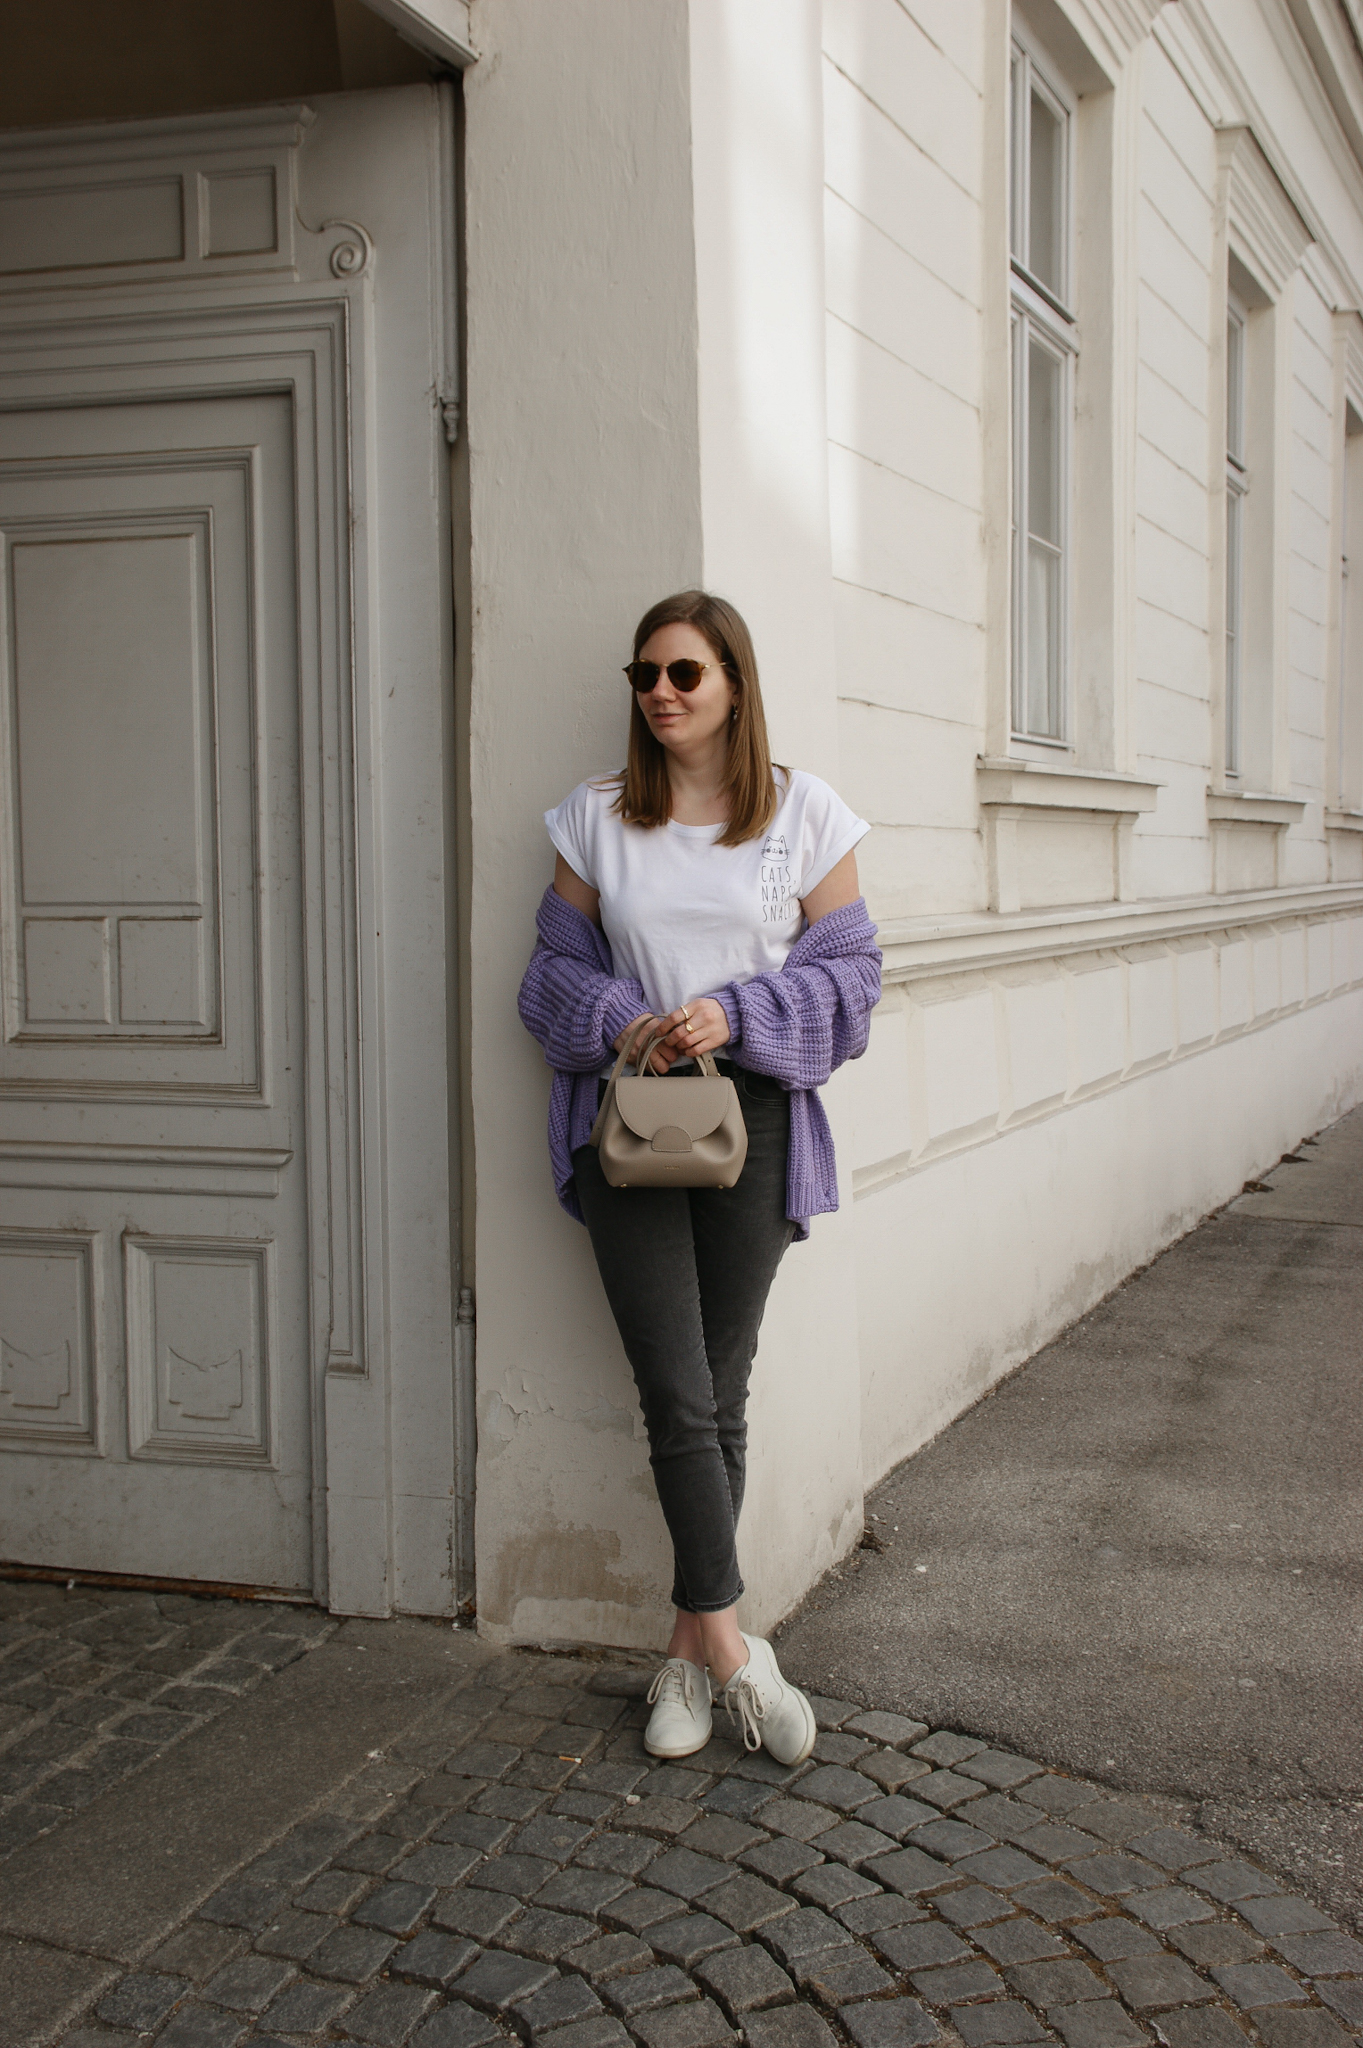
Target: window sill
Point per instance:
(1054, 833)
(1249, 837)
(1051, 786)
(1344, 821)
(1254, 807)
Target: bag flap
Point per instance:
(695, 1104)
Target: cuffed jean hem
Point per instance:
(702, 1606)
(685, 1606)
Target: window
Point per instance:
(1044, 342)
(1346, 783)
(1237, 490)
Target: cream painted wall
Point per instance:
(757, 125)
(905, 149)
(626, 226)
(1050, 1098)
(1058, 1121)
(1312, 572)
(805, 201)
(1173, 538)
(912, 175)
(584, 507)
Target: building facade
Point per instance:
(364, 373)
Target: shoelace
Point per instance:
(744, 1694)
(673, 1685)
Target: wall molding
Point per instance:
(1203, 59)
(887, 1173)
(1349, 340)
(439, 28)
(919, 948)
(1110, 30)
(1267, 232)
(1089, 1013)
(1331, 39)
(1193, 64)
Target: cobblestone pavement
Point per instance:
(97, 1685)
(519, 1871)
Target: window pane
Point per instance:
(1015, 144)
(1043, 445)
(1043, 641)
(1234, 561)
(1018, 522)
(1045, 253)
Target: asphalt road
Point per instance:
(1141, 1557)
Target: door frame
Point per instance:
(148, 322)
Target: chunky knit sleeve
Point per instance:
(569, 999)
(800, 1024)
(575, 1011)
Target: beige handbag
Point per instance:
(659, 1131)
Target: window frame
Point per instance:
(1040, 317)
(1237, 487)
(1345, 781)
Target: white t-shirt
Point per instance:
(684, 915)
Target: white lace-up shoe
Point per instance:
(681, 1720)
(773, 1715)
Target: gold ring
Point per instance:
(685, 1012)
(690, 1027)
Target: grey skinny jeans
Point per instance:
(687, 1272)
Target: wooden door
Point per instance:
(155, 1409)
(227, 378)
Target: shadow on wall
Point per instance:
(123, 60)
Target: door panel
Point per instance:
(128, 699)
(155, 1398)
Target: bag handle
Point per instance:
(634, 1036)
(702, 1059)
(636, 1039)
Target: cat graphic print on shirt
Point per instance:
(686, 915)
(780, 895)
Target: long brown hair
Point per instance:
(749, 782)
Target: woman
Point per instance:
(711, 895)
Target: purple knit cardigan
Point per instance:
(796, 1025)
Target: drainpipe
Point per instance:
(466, 1452)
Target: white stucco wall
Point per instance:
(1038, 1114)
(757, 126)
(735, 315)
(1177, 169)
(646, 383)
(584, 507)
(905, 155)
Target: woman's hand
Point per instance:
(708, 1028)
(663, 1056)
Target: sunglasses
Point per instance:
(683, 675)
